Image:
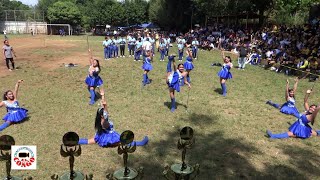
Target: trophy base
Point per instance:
(76, 176)
(12, 178)
(119, 174)
(185, 174)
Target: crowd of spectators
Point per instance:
(292, 50)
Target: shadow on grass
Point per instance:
(219, 157)
(23, 121)
(168, 104)
(304, 159)
(218, 90)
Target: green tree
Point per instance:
(172, 14)
(65, 13)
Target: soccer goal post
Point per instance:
(54, 28)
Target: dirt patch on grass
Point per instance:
(45, 53)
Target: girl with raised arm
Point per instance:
(93, 80)
(289, 106)
(105, 135)
(174, 79)
(15, 113)
(225, 73)
(301, 128)
(188, 65)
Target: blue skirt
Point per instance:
(188, 65)
(107, 138)
(93, 81)
(289, 110)
(147, 67)
(300, 130)
(17, 115)
(224, 74)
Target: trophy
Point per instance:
(183, 171)
(70, 148)
(124, 148)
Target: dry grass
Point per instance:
(230, 142)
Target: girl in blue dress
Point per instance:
(188, 65)
(288, 107)
(174, 79)
(93, 80)
(105, 135)
(147, 66)
(225, 73)
(15, 113)
(301, 128)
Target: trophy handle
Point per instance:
(89, 177)
(54, 177)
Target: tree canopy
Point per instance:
(169, 14)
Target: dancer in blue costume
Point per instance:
(301, 128)
(174, 79)
(15, 113)
(105, 135)
(288, 107)
(93, 80)
(188, 65)
(225, 73)
(147, 66)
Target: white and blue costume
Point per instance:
(301, 129)
(287, 108)
(94, 80)
(147, 66)
(188, 65)
(174, 80)
(225, 73)
(107, 137)
(290, 108)
(15, 112)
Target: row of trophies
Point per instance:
(70, 148)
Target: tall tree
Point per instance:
(65, 13)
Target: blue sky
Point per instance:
(29, 2)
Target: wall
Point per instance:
(23, 27)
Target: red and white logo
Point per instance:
(23, 157)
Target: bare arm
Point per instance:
(222, 54)
(15, 93)
(314, 114)
(306, 105)
(287, 91)
(1, 103)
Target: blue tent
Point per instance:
(149, 26)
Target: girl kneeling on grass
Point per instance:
(15, 113)
(105, 135)
(301, 128)
(174, 79)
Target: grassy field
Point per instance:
(229, 131)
